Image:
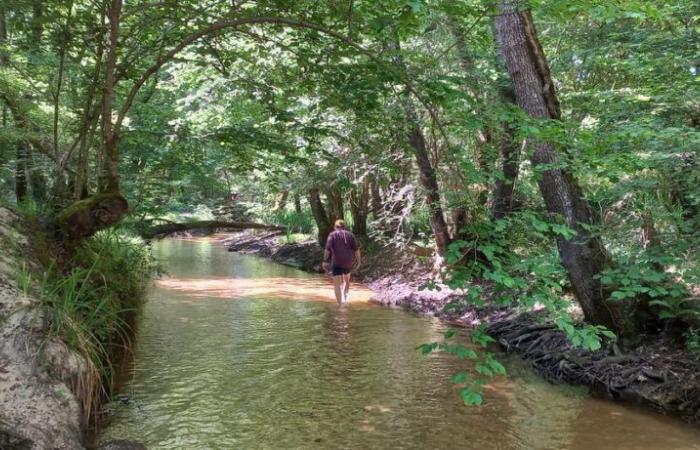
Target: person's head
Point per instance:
(339, 224)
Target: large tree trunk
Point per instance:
(320, 216)
(583, 256)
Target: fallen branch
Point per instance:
(169, 228)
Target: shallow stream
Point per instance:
(237, 352)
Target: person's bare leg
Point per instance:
(337, 286)
(346, 286)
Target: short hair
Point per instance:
(340, 223)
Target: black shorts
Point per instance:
(337, 270)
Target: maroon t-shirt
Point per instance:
(342, 245)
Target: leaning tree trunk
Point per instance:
(426, 171)
(320, 216)
(583, 256)
(428, 181)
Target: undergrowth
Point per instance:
(88, 303)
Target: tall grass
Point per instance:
(88, 304)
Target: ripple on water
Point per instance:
(246, 354)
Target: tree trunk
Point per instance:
(85, 217)
(37, 179)
(320, 216)
(336, 209)
(502, 202)
(282, 204)
(428, 181)
(377, 201)
(359, 207)
(583, 256)
(297, 203)
(3, 38)
(427, 177)
(504, 187)
(110, 136)
(21, 172)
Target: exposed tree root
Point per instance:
(665, 378)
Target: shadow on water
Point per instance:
(236, 352)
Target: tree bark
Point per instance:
(21, 172)
(320, 216)
(336, 208)
(110, 135)
(282, 202)
(583, 256)
(3, 36)
(504, 188)
(377, 201)
(428, 181)
(297, 203)
(359, 207)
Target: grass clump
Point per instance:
(89, 304)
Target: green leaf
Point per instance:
(470, 398)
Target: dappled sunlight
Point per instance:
(303, 289)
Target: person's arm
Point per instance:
(326, 260)
(358, 259)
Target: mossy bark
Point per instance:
(86, 217)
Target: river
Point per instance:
(237, 352)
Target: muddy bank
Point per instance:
(42, 381)
(657, 374)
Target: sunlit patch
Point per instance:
(377, 408)
(314, 289)
(212, 238)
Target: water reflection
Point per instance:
(226, 360)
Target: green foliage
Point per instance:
(89, 304)
(483, 364)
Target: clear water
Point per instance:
(236, 352)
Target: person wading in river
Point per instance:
(343, 253)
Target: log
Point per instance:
(170, 228)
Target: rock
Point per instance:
(121, 444)
(38, 408)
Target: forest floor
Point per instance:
(658, 373)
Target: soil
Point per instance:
(42, 382)
(659, 373)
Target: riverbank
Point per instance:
(657, 374)
(63, 331)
